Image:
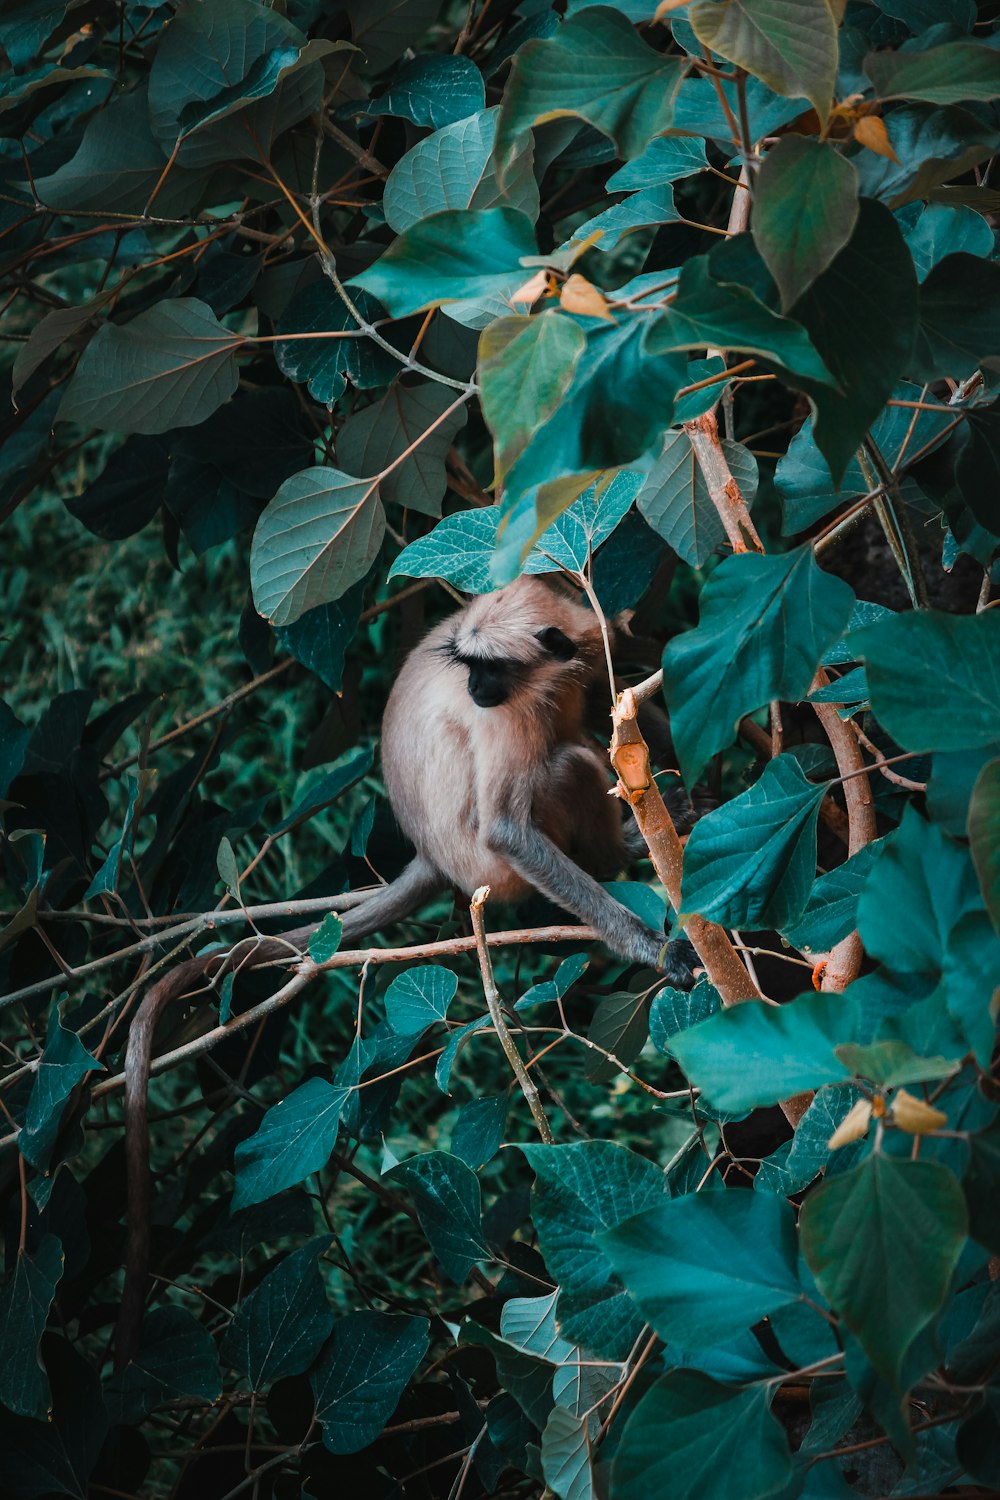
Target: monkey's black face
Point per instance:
(493, 680)
(490, 682)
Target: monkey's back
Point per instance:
(444, 761)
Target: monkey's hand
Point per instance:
(677, 962)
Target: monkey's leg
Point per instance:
(574, 810)
(552, 872)
(418, 882)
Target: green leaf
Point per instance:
(566, 1455)
(673, 1011)
(55, 329)
(64, 1063)
(619, 1025)
(25, 1300)
(803, 478)
(384, 29)
(934, 678)
(765, 623)
(597, 68)
(295, 1138)
(882, 1241)
(456, 168)
(171, 366)
(459, 549)
(319, 534)
(525, 367)
(653, 206)
(107, 875)
(319, 639)
(755, 1054)
(580, 1189)
(403, 419)
(363, 1373)
(688, 1437)
(725, 315)
(437, 90)
(548, 990)
(448, 1202)
(943, 229)
(26, 27)
(323, 789)
(805, 209)
(862, 316)
(832, 909)
(326, 364)
(57, 1456)
(892, 1063)
(675, 500)
(933, 146)
(281, 1326)
(117, 165)
(970, 982)
(984, 836)
(326, 939)
(19, 88)
(809, 1154)
(228, 868)
(225, 57)
(921, 885)
(694, 1303)
(618, 402)
(959, 319)
(576, 535)
(479, 1130)
(525, 1377)
(665, 159)
(451, 257)
(949, 791)
(946, 74)
(418, 997)
(793, 49)
(177, 1360)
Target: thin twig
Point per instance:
(525, 1083)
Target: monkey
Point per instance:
(492, 776)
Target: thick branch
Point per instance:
(703, 433)
(630, 758)
(844, 963)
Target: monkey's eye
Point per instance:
(556, 643)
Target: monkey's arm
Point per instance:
(552, 872)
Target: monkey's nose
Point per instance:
(487, 696)
(486, 689)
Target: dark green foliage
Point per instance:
(313, 315)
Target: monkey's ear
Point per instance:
(556, 643)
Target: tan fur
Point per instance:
(449, 764)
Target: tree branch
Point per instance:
(525, 1083)
(630, 758)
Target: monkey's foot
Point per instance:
(677, 963)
